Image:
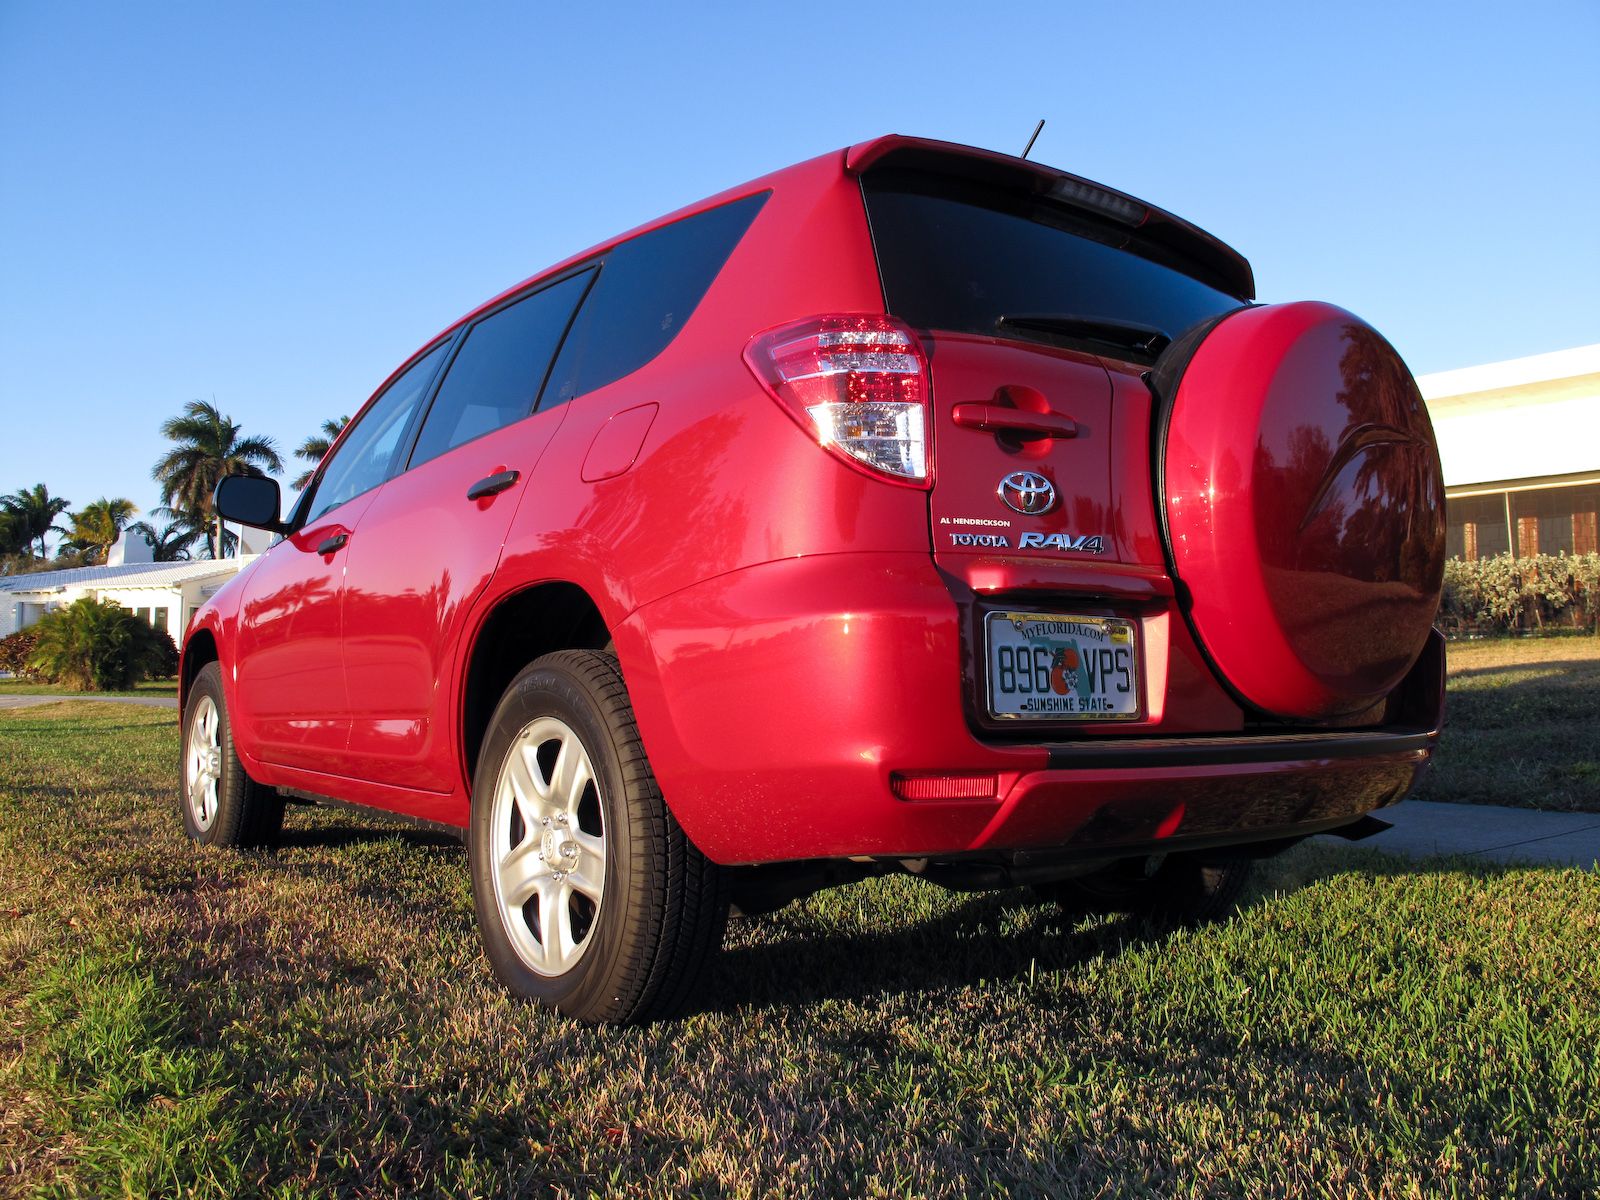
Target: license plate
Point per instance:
(1046, 666)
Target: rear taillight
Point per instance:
(858, 384)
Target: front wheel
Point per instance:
(221, 804)
(589, 896)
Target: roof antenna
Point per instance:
(1034, 138)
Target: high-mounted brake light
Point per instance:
(1104, 201)
(858, 384)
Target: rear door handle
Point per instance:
(492, 485)
(333, 543)
(996, 419)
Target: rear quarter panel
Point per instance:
(724, 478)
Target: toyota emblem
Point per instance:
(1028, 492)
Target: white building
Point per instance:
(1520, 442)
(165, 594)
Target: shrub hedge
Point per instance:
(15, 651)
(1505, 594)
(99, 646)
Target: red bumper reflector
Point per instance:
(945, 787)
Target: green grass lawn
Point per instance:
(1522, 725)
(318, 1021)
(148, 687)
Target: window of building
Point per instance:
(1584, 539)
(1475, 526)
(1527, 536)
(143, 614)
(160, 619)
(1562, 517)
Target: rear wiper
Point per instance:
(1146, 339)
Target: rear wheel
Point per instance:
(1173, 889)
(589, 896)
(221, 804)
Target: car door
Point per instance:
(290, 682)
(431, 540)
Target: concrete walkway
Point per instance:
(1423, 828)
(142, 701)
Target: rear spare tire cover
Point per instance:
(1303, 505)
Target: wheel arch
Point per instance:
(199, 648)
(522, 626)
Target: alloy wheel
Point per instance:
(203, 762)
(549, 846)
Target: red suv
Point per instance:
(915, 508)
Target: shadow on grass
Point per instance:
(66, 794)
(797, 957)
(1577, 670)
(1520, 735)
(335, 837)
(62, 732)
(267, 998)
(801, 961)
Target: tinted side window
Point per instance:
(647, 290)
(367, 456)
(495, 376)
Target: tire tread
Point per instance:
(249, 814)
(678, 896)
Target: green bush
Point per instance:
(1505, 594)
(99, 646)
(15, 651)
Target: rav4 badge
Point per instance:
(1085, 543)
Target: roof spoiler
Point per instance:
(1212, 255)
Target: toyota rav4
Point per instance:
(915, 508)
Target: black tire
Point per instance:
(239, 812)
(663, 907)
(1180, 889)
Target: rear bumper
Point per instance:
(776, 704)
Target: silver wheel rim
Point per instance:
(203, 762)
(548, 847)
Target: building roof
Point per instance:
(1511, 374)
(128, 575)
(1525, 419)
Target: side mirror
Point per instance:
(249, 500)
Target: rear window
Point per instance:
(648, 288)
(960, 256)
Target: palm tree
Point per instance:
(208, 449)
(172, 542)
(315, 448)
(32, 512)
(10, 534)
(97, 526)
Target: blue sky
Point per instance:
(271, 205)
